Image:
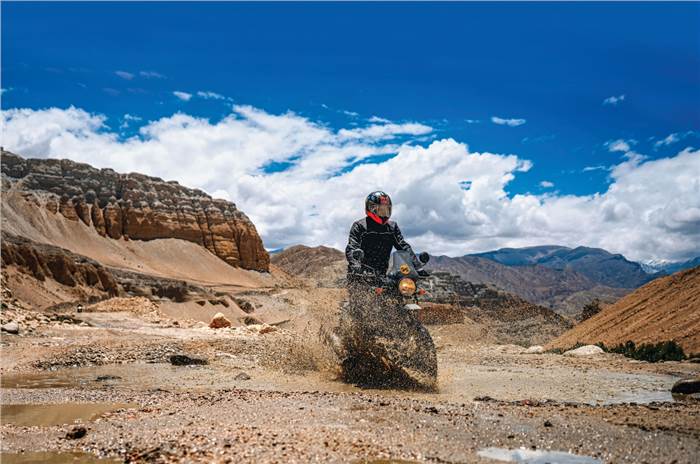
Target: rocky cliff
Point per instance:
(138, 207)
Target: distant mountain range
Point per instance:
(600, 266)
(670, 267)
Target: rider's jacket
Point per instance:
(376, 241)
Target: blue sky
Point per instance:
(544, 71)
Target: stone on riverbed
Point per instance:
(219, 321)
(686, 386)
(184, 360)
(586, 350)
(11, 328)
(537, 349)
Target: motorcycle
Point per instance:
(380, 341)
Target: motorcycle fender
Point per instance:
(412, 307)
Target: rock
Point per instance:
(686, 386)
(251, 321)
(184, 360)
(219, 321)
(242, 376)
(267, 329)
(11, 328)
(586, 350)
(75, 432)
(140, 207)
(537, 349)
(694, 360)
(245, 305)
(104, 378)
(548, 424)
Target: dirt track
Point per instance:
(287, 413)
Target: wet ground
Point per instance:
(264, 399)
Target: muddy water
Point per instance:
(524, 455)
(457, 383)
(53, 458)
(55, 414)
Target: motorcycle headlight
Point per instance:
(407, 287)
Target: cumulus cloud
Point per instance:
(379, 120)
(184, 96)
(447, 198)
(210, 95)
(546, 184)
(472, 121)
(511, 122)
(614, 100)
(124, 75)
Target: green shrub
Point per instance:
(662, 351)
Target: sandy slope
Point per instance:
(664, 309)
(173, 258)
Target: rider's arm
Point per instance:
(401, 244)
(354, 242)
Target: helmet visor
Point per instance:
(383, 211)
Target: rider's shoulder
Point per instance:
(361, 223)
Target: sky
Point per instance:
(490, 125)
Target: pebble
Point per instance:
(75, 432)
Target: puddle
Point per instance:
(56, 414)
(529, 456)
(52, 458)
(458, 383)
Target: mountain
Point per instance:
(73, 234)
(598, 265)
(670, 267)
(135, 207)
(667, 308)
(322, 265)
(564, 290)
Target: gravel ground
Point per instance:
(287, 413)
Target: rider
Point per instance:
(375, 235)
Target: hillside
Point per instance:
(564, 290)
(667, 308)
(322, 265)
(131, 206)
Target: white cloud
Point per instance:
(184, 96)
(473, 121)
(124, 75)
(511, 122)
(546, 184)
(127, 119)
(151, 75)
(673, 138)
(385, 131)
(3, 91)
(651, 209)
(379, 120)
(210, 95)
(595, 168)
(620, 145)
(614, 100)
(350, 113)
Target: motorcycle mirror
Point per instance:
(424, 257)
(358, 254)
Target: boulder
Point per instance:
(11, 328)
(242, 376)
(585, 350)
(75, 432)
(686, 386)
(184, 360)
(267, 329)
(219, 321)
(537, 349)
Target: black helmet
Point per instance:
(378, 206)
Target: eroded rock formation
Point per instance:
(139, 207)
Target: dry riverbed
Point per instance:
(272, 398)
